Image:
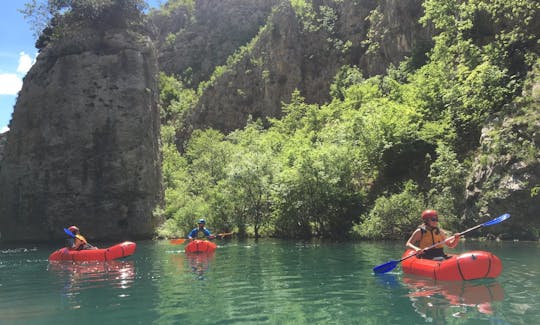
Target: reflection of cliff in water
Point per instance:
(436, 300)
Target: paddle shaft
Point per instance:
(442, 242)
(72, 235)
(180, 241)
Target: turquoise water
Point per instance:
(262, 282)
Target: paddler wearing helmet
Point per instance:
(200, 232)
(428, 234)
(78, 242)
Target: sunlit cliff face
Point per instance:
(83, 147)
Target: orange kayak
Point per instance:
(124, 249)
(467, 266)
(200, 246)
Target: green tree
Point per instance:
(447, 193)
(208, 155)
(175, 100)
(392, 217)
(54, 19)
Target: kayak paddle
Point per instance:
(389, 266)
(224, 234)
(180, 241)
(69, 233)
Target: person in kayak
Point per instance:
(200, 232)
(78, 242)
(428, 234)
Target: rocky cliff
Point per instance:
(303, 48)
(3, 139)
(194, 39)
(506, 172)
(83, 146)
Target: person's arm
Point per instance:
(208, 234)
(452, 243)
(70, 243)
(79, 244)
(415, 237)
(192, 234)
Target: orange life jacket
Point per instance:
(80, 242)
(430, 236)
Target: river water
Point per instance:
(263, 282)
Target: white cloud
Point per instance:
(4, 129)
(10, 84)
(25, 63)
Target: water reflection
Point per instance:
(199, 263)
(436, 301)
(79, 276)
(388, 280)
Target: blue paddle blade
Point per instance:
(497, 220)
(69, 233)
(386, 267)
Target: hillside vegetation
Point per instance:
(365, 163)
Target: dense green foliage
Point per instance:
(369, 161)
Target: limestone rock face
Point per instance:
(83, 142)
(193, 41)
(506, 172)
(3, 139)
(299, 51)
(394, 33)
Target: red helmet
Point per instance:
(429, 213)
(74, 229)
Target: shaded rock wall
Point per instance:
(193, 41)
(293, 52)
(3, 140)
(83, 146)
(506, 172)
(394, 33)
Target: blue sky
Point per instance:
(17, 54)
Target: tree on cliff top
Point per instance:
(52, 19)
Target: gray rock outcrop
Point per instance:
(506, 171)
(304, 52)
(193, 40)
(83, 143)
(3, 140)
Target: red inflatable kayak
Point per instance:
(467, 266)
(124, 249)
(200, 246)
